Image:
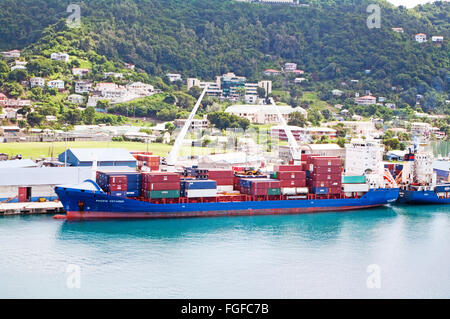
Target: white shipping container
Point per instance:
(355, 188)
(302, 190)
(288, 191)
(197, 193)
(225, 188)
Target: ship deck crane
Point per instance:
(293, 145)
(173, 155)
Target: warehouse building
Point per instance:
(105, 157)
(37, 184)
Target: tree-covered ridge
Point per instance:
(209, 37)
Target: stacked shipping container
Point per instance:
(160, 185)
(260, 187)
(120, 183)
(198, 188)
(324, 175)
(147, 159)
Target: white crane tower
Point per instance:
(172, 158)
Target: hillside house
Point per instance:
(80, 71)
(82, 87)
(366, 100)
(58, 56)
(57, 84)
(37, 82)
(421, 37)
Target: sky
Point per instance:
(409, 3)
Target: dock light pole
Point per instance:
(173, 155)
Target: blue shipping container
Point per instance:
(199, 184)
(118, 193)
(320, 190)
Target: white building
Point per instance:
(76, 98)
(304, 134)
(11, 54)
(37, 82)
(299, 80)
(82, 87)
(196, 124)
(112, 74)
(421, 37)
(80, 71)
(290, 67)
(18, 67)
(263, 114)
(366, 100)
(57, 84)
(398, 30)
(58, 56)
(337, 92)
(437, 39)
(362, 156)
(174, 77)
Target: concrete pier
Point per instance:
(10, 209)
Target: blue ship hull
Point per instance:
(421, 198)
(88, 204)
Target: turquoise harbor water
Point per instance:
(304, 256)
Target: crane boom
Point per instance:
(293, 145)
(173, 155)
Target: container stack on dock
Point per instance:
(160, 185)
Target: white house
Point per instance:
(421, 37)
(11, 54)
(80, 71)
(398, 30)
(437, 39)
(37, 82)
(113, 74)
(336, 92)
(18, 67)
(58, 56)
(366, 100)
(82, 87)
(129, 66)
(174, 77)
(58, 84)
(271, 72)
(299, 80)
(290, 67)
(76, 98)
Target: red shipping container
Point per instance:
(293, 183)
(304, 157)
(326, 177)
(334, 190)
(117, 187)
(224, 181)
(160, 177)
(326, 161)
(265, 184)
(335, 169)
(22, 194)
(291, 175)
(117, 179)
(219, 174)
(162, 186)
(288, 168)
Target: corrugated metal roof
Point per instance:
(102, 154)
(17, 164)
(44, 176)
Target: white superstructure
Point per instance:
(362, 156)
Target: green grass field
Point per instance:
(40, 150)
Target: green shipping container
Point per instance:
(353, 179)
(163, 194)
(274, 191)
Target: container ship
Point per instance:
(418, 180)
(317, 184)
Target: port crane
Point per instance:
(171, 159)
